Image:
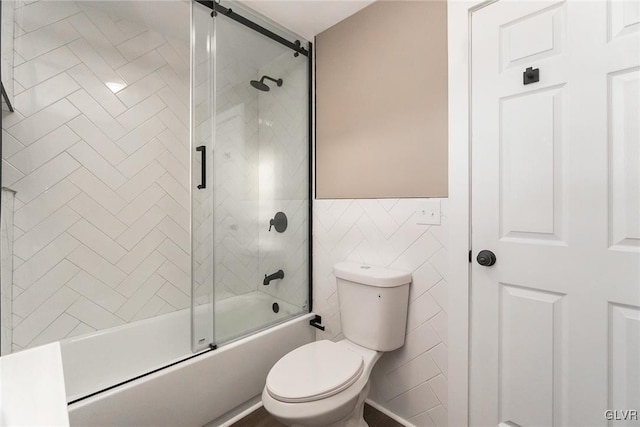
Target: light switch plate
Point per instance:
(428, 212)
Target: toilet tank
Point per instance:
(373, 304)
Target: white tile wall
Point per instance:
(411, 381)
(235, 213)
(98, 153)
(260, 168)
(226, 212)
(6, 268)
(284, 178)
(6, 48)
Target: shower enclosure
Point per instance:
(155, 182)
(250, 165)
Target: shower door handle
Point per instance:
(203, 167)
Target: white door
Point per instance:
(555, 323)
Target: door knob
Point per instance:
(486, 258)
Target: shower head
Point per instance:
(261, 85)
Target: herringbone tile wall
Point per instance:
(98, 153)
(284, 182)
(235, 213)
(6, 47)
(229, 204)
(411, 381)
(6, 270)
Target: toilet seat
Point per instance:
(313, 372)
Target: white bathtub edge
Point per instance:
(268, 330)
(238, 413)
(198, 390)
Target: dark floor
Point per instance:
(261, 418)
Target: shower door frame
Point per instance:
(5, 98)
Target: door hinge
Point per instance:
(469, 256)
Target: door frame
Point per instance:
(459, 20)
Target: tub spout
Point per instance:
(277, 275)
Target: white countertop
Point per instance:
(32, 391)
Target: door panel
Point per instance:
(624, 154)
(533, 36)
(556, 196)
(624, 18)
(624, 354)
(527, 395)
(531, 153)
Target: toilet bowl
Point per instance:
(325, 383)
(321, 384)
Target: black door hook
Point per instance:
(531, 75)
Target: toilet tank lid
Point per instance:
(369, 275)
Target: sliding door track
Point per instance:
(228, 12)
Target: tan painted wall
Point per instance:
(381, 88)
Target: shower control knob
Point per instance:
(279, 222)
(486, 258)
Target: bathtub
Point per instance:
(189, 392)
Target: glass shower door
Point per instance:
(261, 169)
(236, 259)
(250, 174)
(202, 177)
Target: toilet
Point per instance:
(325, 383)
